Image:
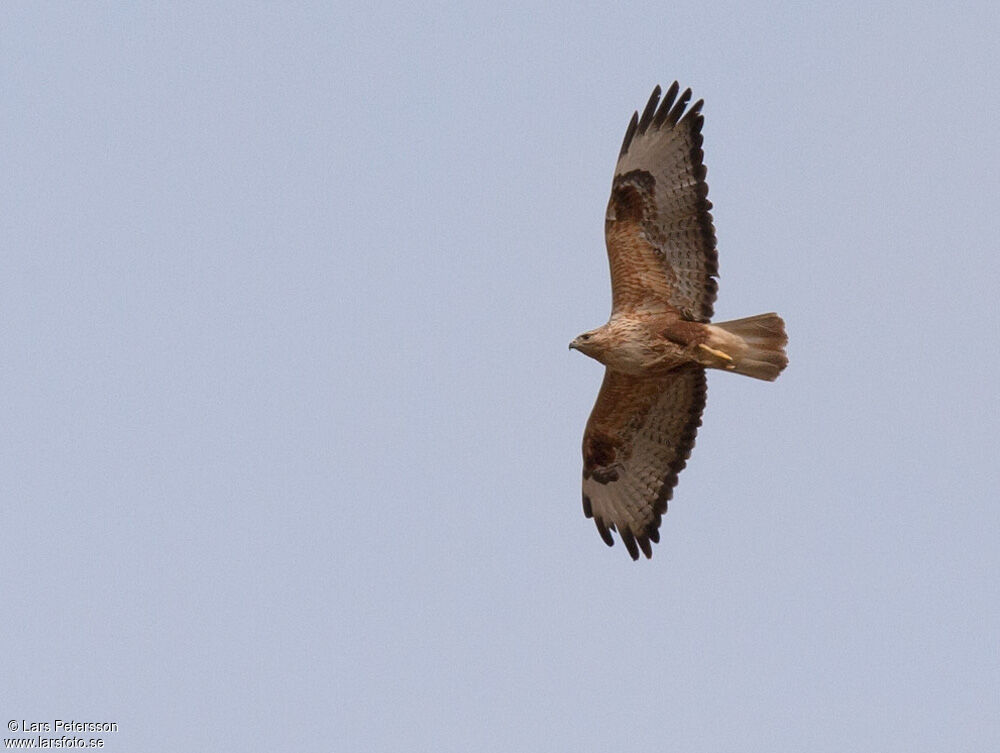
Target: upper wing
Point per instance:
(637, 440)
(658, 228)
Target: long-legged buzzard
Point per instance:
(658, 341)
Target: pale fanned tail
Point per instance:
(761, 352)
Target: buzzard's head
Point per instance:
(591, 343)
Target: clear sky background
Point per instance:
(290, 432)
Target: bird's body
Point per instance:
(659, 341)
(642, 344)
(652, 344)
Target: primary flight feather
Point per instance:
(658, 341)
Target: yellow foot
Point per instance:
(719, 354)
(716, 353)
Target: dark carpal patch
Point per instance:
(633, 197)
(599, 455)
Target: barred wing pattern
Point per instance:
(638, 438)
(658, 229)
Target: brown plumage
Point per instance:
(658, 341)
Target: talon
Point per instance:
(717, 353)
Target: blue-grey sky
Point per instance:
(291, 433)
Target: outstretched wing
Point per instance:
(658, 228)
(637, 440)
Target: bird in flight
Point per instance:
(658, 341)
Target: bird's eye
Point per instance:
(585, 337)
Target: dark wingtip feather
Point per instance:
(643, 542)
(629, 133)
(587, 510)
(677, 110)
(694, 116)
(647, 114)
(669, 110)
(666, 104)
(603, 530)
(629, 541)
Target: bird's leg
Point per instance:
(719, 354)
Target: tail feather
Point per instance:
(758, 348)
